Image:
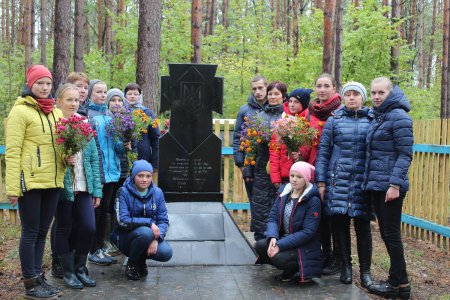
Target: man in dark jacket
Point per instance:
(255, 103)
(389, 155)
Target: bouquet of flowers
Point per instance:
(253, 133)
(73, 134)
(294, 131)
(127, 126)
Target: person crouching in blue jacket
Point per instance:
(292, 242)
(142, 221)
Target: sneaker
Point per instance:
(42, 282)
(99, 259)
(57, 270)
(286, 276)
(385, 289)
(131, 271)
(111, 249)
(33, 290)
(107, 256)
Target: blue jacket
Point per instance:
(134, 210)
(389, 145)
(91, 171)
(147, 147)
(107, 147)
(303, 227)
(250, 109)
(341, 162)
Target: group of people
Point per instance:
(302, 203)
(92, 201)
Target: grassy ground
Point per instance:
(428, 266)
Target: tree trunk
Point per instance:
(120, 10)
(420, 29)
(43, 39)
(4, 8)
(445, 89)
(27, 31)
(225, 13)
(86, 35)
(278, 15)
(99, 24)
(78, 44)
(196, 30)
(149, 44)
(61, 54)
(287, 16)
(212, 17)
(394, 49)
(207, 18)
(296, 10)
(7, 24)
(33, 24)
(431, 52)
(108, 33)
(318, 4)
(338, 45)
(412, 24)
(13, 23)
(328, 36)
(20, 22)
(402, 16)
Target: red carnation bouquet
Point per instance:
(72, 135)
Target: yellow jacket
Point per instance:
(32, 160)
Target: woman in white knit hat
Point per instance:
(339, 176)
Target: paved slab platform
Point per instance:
(203, 282)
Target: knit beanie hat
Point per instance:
(36, 72)
(302, 95)
(112, 93)
(140, 166)
(91, 87)
(355, 86)
(305, 169)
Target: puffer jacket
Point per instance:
(389, 145)
(91, 171)
(341, 161)
(32, 159)
(134, 210)
(106, 146)
(264, 192)
(280, 163)
(250, 109)
(303, 229)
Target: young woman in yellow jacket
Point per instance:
(34, 174)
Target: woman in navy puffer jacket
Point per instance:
(340, 173)
(389, 155)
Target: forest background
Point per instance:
(289, 40)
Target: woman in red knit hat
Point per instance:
(34, 174)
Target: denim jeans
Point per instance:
(134, 244)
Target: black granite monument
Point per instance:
(201, 230)
(190, 153)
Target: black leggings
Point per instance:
(389, 216)
(36, 210)
(101, 213)
(75, 225)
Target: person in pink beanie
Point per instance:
(292, 242)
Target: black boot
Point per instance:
(70, 279)
(82, 272)
(385, 289)
(364, 245)
(345, 252)
(132, 270)
(57, 270)
(33, 290)
(142, 266)
(42, 281)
